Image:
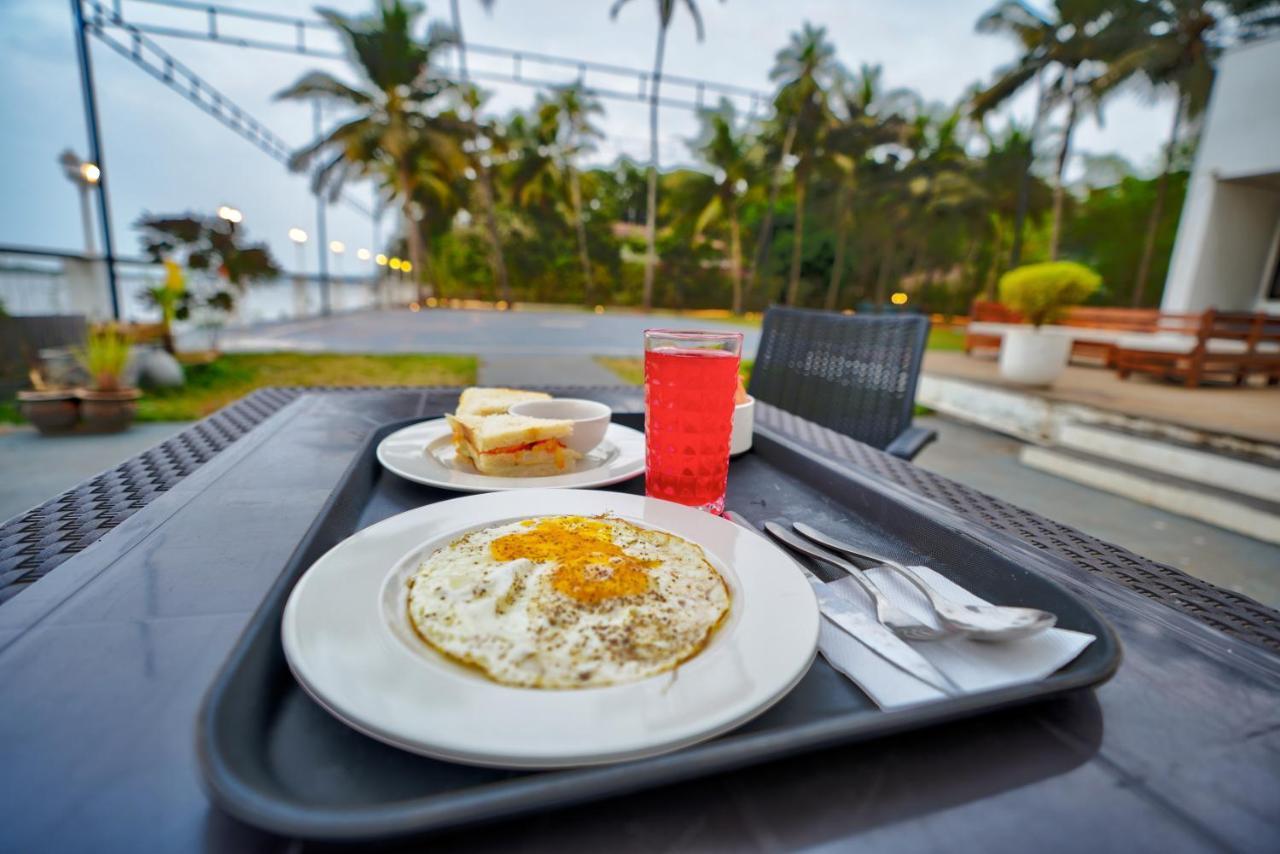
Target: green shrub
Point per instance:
(1042, 292)
(104, 356)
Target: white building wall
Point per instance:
(1232, 208)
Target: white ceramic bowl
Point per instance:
(590, 419)
(744, 419)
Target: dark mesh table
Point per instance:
(162, 561)
(33, 544)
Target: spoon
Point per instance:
(979, 622)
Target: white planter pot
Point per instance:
(1034, 356)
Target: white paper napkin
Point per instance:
(972, 665)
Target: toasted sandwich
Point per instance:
(494, 401)
(513, 445)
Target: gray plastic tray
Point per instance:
(273, 758)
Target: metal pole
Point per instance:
(322, 241)
(95, 152)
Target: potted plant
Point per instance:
(51, 410)
(107, 406)
(1041, 293)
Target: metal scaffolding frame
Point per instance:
(109, 18)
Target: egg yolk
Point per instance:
(590, 567)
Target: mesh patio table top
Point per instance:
(33, 544)
(126, 594)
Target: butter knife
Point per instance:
(869, 633)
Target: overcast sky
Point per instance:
(163, 155)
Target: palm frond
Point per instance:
(692, 6)
(323, 86)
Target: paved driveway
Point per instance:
(545, 333)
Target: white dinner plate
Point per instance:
(349, 642)
(424, 453)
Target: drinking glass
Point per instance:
(689, 382)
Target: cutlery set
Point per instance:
(892, 626)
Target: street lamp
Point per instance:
(299, 237)
(363, 254)
(230, 214)
(381, 260)
(337, 247)
(84, 175)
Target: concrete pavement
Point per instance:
(989, 462)
(493, 333)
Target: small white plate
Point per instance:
(424, 453)
(349, 642)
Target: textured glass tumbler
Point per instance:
(689, 382)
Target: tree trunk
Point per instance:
(886, 269)
(651, 217)
(584, 256)
(837, 268)
(797, 248)
(1157, 209)
(413, 235)
(1059, 187)
(495, 239)
(1024, 180)
(735, 258)
(765, 237)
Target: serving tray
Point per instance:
(273, 758)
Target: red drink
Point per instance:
(689, 391)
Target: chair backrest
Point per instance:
(1119, 319)
(855, 374)
(994, 312)
(1253, 328)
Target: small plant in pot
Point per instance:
(1041, 293)
(52, 410)
(107, 406)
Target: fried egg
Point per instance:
(568, 601)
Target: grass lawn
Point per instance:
(946, 338)
(631, 370)
(231, 376)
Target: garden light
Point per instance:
(297, 235)
(899, 298)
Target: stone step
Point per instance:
(1235, 472)
(1252, 516)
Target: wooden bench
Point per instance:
(986, 311)
(1094, 331)
(1220, 345)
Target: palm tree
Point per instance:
(1175, 45)
(805, 68)
(1010, 198)
(666, 10)
(1066, 46)
(459, 41)
(394, 130)
(481, 147)
(575, 107)
(734, 155)
(865, 120)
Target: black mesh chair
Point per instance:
(852, 373)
